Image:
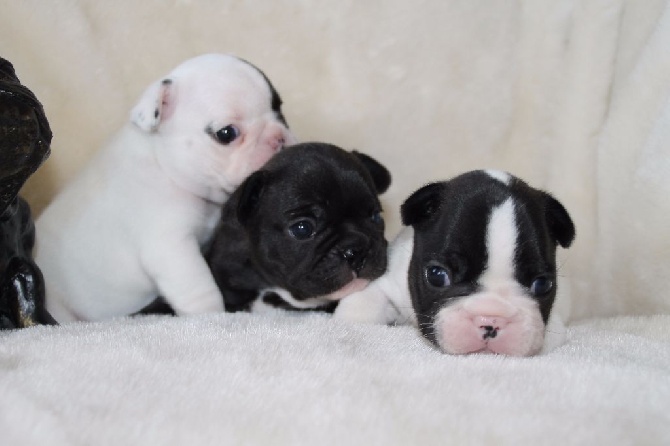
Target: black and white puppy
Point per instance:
(306, 229)
(475, 268)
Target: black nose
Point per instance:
(355, 257)
(489, 332)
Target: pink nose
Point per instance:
(279, 142)
(280, 138)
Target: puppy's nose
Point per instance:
(281, 138)
(355, 257)
(277, 143)
(489, 331)
(489, 326)
(277, 137)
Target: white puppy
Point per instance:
(133, 224)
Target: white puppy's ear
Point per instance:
(153, 106)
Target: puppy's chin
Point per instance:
(353, 286)
(356, 284)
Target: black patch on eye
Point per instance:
(276, 101)
(156, 113)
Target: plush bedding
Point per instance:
(572, 96)
(308, 379)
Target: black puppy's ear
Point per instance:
(422, 204)
(559, 222)
(251, 191)
(380, 174)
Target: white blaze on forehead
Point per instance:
(499, 175)
(501, 236)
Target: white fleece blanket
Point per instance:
(308, 380)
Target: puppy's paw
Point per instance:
(369, 306)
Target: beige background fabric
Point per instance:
(572, 96)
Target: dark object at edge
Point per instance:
(25, 138)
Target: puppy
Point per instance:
(132, 225)
(304, 230)
(475, 268)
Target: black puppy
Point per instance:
(306, 229)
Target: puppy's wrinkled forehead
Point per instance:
(468, 203)
(486, 213)
(224, 76)
(322, 175)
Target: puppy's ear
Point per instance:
(380, 174)
(422, 204)
(560, 225)
(251, 191)
(154, 105)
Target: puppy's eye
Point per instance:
(438, 276)
(227, 134)
(377, 218)
(541, 285)
(302, 230)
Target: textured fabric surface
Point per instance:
(307, 379)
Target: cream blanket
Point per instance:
(309, 380)
(573, 96)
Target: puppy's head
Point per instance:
(483, 270)
(314, 220)
(216, 119)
